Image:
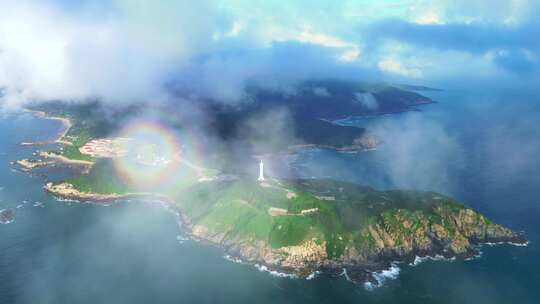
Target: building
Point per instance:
(261, 171)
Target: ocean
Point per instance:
(481, 148)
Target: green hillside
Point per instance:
(239, 210)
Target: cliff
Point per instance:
(302, 226)
(354, 228)
(298, 226)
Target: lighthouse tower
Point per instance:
(261, 171)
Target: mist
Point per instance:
(441, 146)
(116, 52)
(176, 58)
(122, 52)
(172, 61)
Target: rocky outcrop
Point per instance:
(6, 216)
(367, 142)
(67, 191)
(448, 233)
(392, 234)
(29, 164)
(400, 235)
(364, 143)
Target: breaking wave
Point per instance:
(275, 273)
(67, 200)
(233, 259)
(263, 268)
(519, 244)
(313, 275)
(380, 277)
(418, 259)
(509, 243)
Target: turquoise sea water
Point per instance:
(484, 153)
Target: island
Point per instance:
(296, 226)
(6, 216)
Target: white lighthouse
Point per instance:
(261, 171)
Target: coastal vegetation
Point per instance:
(349, 216)
(87, 121)
(300, 225)
(101, 179)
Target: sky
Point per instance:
(124, 51)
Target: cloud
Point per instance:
(367, 100)
(417, 151)
(518, 61)
(420, 153)
(350, 51)
(225, 74)
(473, 37)
(511, 47)
(121, 53)
(395, 66)
(124, 51)
(467, 11)
(321, 92)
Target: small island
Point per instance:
(297, 226)
(6, 216)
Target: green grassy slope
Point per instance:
(89, 120)
(239, 210)
(101, 179)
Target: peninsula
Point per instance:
(298, 226)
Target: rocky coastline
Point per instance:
(303, 260)
(67, 191)
(364, 143)
(49, 159)
(468, 231)
(459, 234)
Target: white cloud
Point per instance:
(321, 92)
(351, 51)
(468, 11)
(395, 66)
(128, 50)
(367, 100)
(322, 39)
(47, 53)
(428, 17)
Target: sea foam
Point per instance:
(382, 276)
(519, 244)
(275, 273)
(233, 259)
(313, 275)
(438, 257)
(262, 268)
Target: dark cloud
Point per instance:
(123, 51)
(474, 37)
(226, 72)
(515, 46)
(518, 61)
